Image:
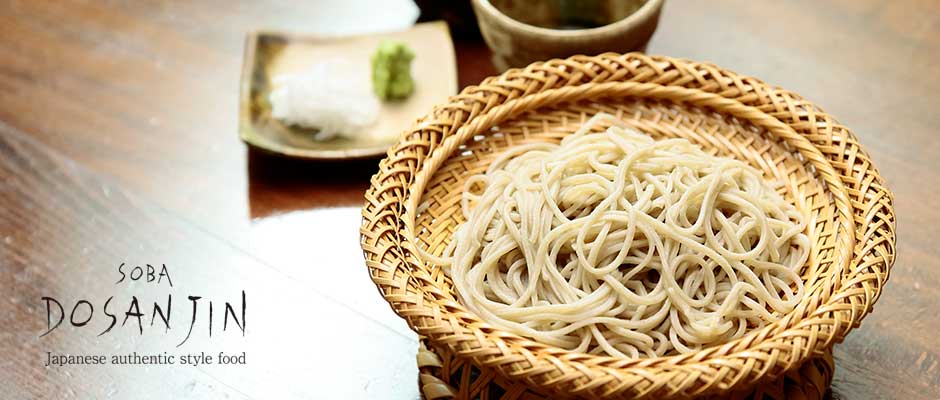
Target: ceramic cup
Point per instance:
(523, 31)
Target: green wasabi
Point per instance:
(391, 70)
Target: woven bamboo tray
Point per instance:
(444, 377)
(415, 201)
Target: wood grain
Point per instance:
(118, 142)
(68, 232)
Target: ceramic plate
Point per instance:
(269, 54)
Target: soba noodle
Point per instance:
(613, 243)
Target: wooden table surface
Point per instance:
(118, 144)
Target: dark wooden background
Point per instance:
(118, 144)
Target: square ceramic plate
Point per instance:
(269, 54)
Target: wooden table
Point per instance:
(118, 145)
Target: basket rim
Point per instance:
(775, 346)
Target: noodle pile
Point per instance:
(613, 243)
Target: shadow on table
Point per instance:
(277, 184)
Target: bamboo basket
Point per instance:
(414, 201)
